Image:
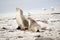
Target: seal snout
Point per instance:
(17, 9)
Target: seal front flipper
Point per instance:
(18, 28)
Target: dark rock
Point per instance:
(38, 36)
(41, 38)
(44, 28)
(20, 37)
(59, 33)
(11, 31)
(4, 28)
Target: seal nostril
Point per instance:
(38, 31)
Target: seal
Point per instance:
(22, 22)
(26, 23)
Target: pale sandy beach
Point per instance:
(11, 33)
(37, 19)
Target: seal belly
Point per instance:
(18, 19)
